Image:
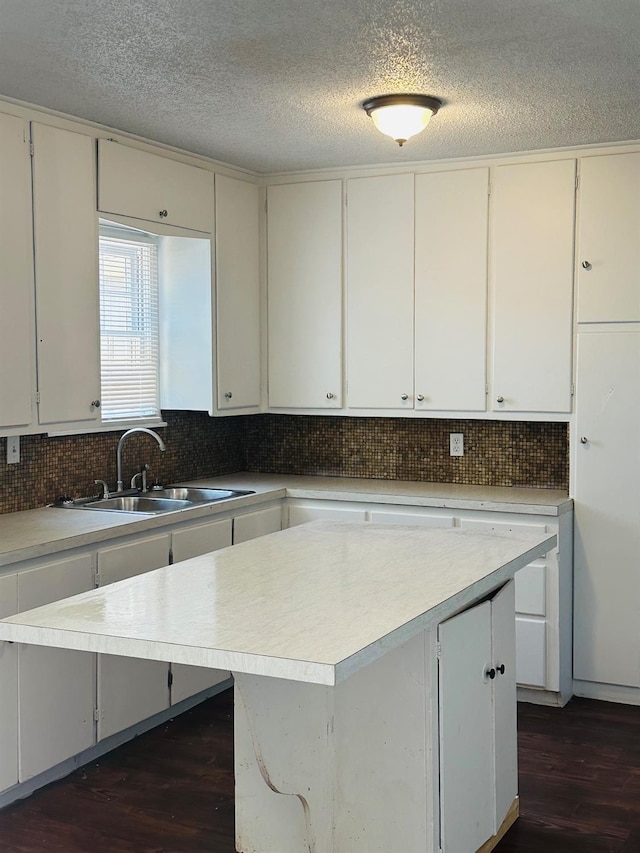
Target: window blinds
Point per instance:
(129, 348)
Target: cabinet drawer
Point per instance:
(200, 539)
(300, 514)
(422, 519)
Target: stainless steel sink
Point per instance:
(194, 495)
(155, 501)
(137, 503)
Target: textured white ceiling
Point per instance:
(275, 85)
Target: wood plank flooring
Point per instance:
(171, 790)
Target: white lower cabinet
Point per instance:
(9, 691)
(543, 590)
(203, 538)
(130, 690)
(56, 686)
(477, 670)
(186, 543)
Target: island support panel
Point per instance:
(353, 767)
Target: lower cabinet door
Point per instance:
(477, 719)
(130, 690)
(190, 542)
(9, 689)
(61, 725)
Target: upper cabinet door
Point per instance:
(380, 242)
(451, 290)
(531, 276)
(609, 239)
(237, 293)
(304, 262)
(17, 328)
(145, 186)
(66, 269)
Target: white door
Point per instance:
(17, 327)
(9, 691)
(146, 186)
(380, 242)
(467, 792)
(609, 239)
(607, 509)
(237, 293)
(66, 271)
(451, 290)
(129, 689)
(191, 542)
(304, 264)
(531, 278)
(56, 686)
(258, 523)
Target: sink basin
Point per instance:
(135, 503)
(155, 501)
(194, 495)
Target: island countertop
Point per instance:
(313, 603)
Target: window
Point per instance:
(129, 348)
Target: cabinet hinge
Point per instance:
(170, 556)
(169, 679)
(577, 181)
(96, 715)
(96, 579)
(37, 396)
(486, 388)
(573, 390)
(438, 651)
(31, 148)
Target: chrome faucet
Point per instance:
(123, 437)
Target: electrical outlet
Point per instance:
(456, 444)
(13, 449)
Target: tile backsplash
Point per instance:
(497, 453)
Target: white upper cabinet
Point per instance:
(66, 273)
(237, 293)
(531, 277)
(609, 239)
(17, 328)
(304, 262)
(451, 211)
(146, 186)
(380, 243)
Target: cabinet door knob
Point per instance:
(584, 439)
(404, 397)
(228, 395)
(330, 395)
(163, 213)
(586, 265)
(500, 669)
(499, 399)
(95, 404)
(420, 398)
(491, 673)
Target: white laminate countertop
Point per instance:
(43, 532)
(313, 603)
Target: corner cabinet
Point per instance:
(66, 277)
(531, 281)
(304, 271)
(237, 265)
(17, 328)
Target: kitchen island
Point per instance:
(374, 676)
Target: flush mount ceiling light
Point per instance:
(401, 116)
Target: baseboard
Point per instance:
(25, 789)
(607, 692)
(542, 697)
(505, 826)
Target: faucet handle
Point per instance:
(105, 488)
(142, 473)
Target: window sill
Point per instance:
(121, 426)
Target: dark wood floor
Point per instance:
(172, 789)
